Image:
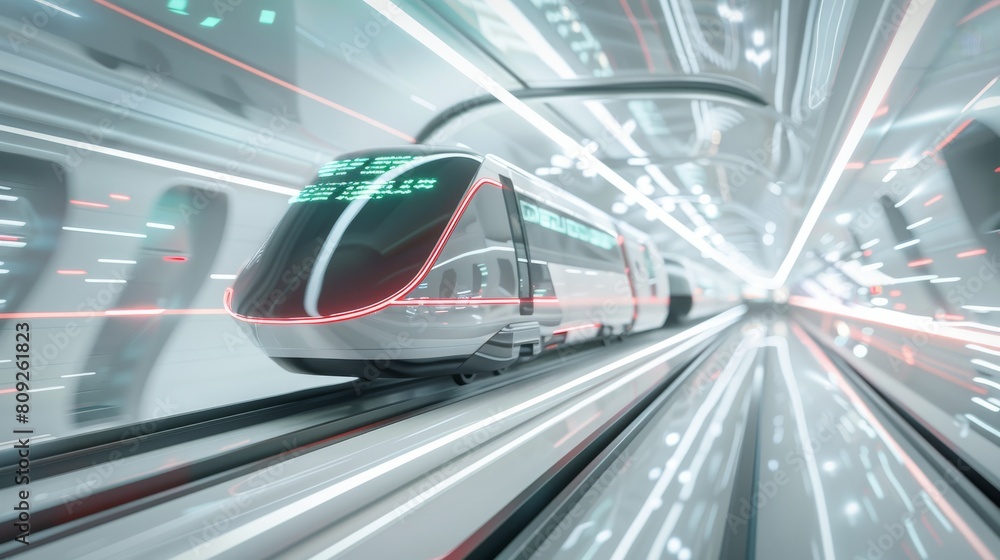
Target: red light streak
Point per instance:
(656, 26)
(954, 134)
(923, 518)
(949, 317)
(9, 238)
(124, 197)
(855, 165)
(867, 253)
(638, 34)
(175, 258)
(89, 204)
(973, 253)
(933, 200)
(883, 161)
(881, 112)
(71, 272)
(899, 307)
(256, 71)
(921, 262)
(895, 293)
(979, 11)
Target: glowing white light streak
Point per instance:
(254, 528)
(104, 231)
(980, 94)
(158, 162)
(568, 145)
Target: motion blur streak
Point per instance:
(206, 173)
(906, 35)
(271, 520)
(256, 71)
(402, 510)
(904, 321)
(893, 445)
(109, 313)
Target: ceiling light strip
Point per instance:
(906, 35)
(570, 146)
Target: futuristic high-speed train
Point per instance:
(423, 261)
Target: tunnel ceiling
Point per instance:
(726, 113)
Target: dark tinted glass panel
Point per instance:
(356, 236)
(472, 264)
(556, 237)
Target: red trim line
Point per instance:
(954, 134)
(394, 298)
(979, 11)
(933, 200)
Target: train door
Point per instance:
(535, 287)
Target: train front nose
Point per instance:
(358, 237)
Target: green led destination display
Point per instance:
(566, 226)
(360, 179)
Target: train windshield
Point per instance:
(356, 236)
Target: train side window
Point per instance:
(481, 238)
(508, 282)
(541, 280)
(449, 284)
(557, 237)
